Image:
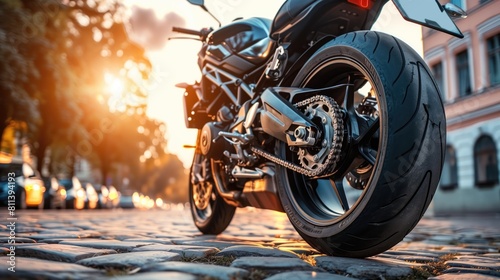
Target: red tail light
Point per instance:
(362, 3)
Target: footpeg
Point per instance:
(244, 173)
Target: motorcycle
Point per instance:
(315, 115)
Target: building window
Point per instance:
(485, 162)
(437, 71)
(463, 72)
(459, 3)
(493, 48)
(449, 176)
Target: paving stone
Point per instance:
(127, 260)
(463, 276)
(245, 251)
(119, 246)
(480, 258)
(59, 240)
(364, 268)
(19, 245)
(299, 250)
(200, 269)
(60, 252)
(55, 225)
(474, 263)
(187, 251)
(273, 264)
(418, 253)
(460, 270)
(61, 229)
(55, 235)
(27, 229)
(410, 258)
(443, 239)
(17, 240)
(483, 247)
(415, 236)
(456, 249)
(492, 255)
(29, 268)
(121, 236)
(156, 276)
(473, 240)
(306, 275)
(149, 240)
(217, 244)
(169, 236)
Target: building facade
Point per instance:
(468, 73)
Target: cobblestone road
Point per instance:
(164, 244)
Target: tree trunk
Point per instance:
(40, 151)
(3, 126)
(71, 170)
(104, 172)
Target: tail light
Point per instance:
(361, 3)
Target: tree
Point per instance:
(16, 69)
(56, 81)
(60, 57)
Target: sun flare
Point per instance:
(114, 85)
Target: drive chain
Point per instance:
(333, 158)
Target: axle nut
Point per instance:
(300, 133)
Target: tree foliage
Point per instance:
(57, 56)
(18, 101)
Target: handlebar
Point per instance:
(188, 31)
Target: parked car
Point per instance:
(103, 193)
(92, 201)
(113, 196)
(26, 183)
(126, 199)
(75, 193)
(55, 194)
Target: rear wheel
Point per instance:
(391, 154)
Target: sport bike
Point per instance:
(314, 115)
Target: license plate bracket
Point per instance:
(428, 13)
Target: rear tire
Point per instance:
(409, 149)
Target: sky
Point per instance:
(175, 61)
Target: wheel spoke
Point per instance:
(368, 133)
(362, 141)
(338, 187)
(349, 95)
(366, 155)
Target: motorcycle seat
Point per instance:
(288, 11)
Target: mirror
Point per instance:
(201, 4)
(454, 11)
(197, 2)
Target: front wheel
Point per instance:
(211, 214)
(390, 154)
